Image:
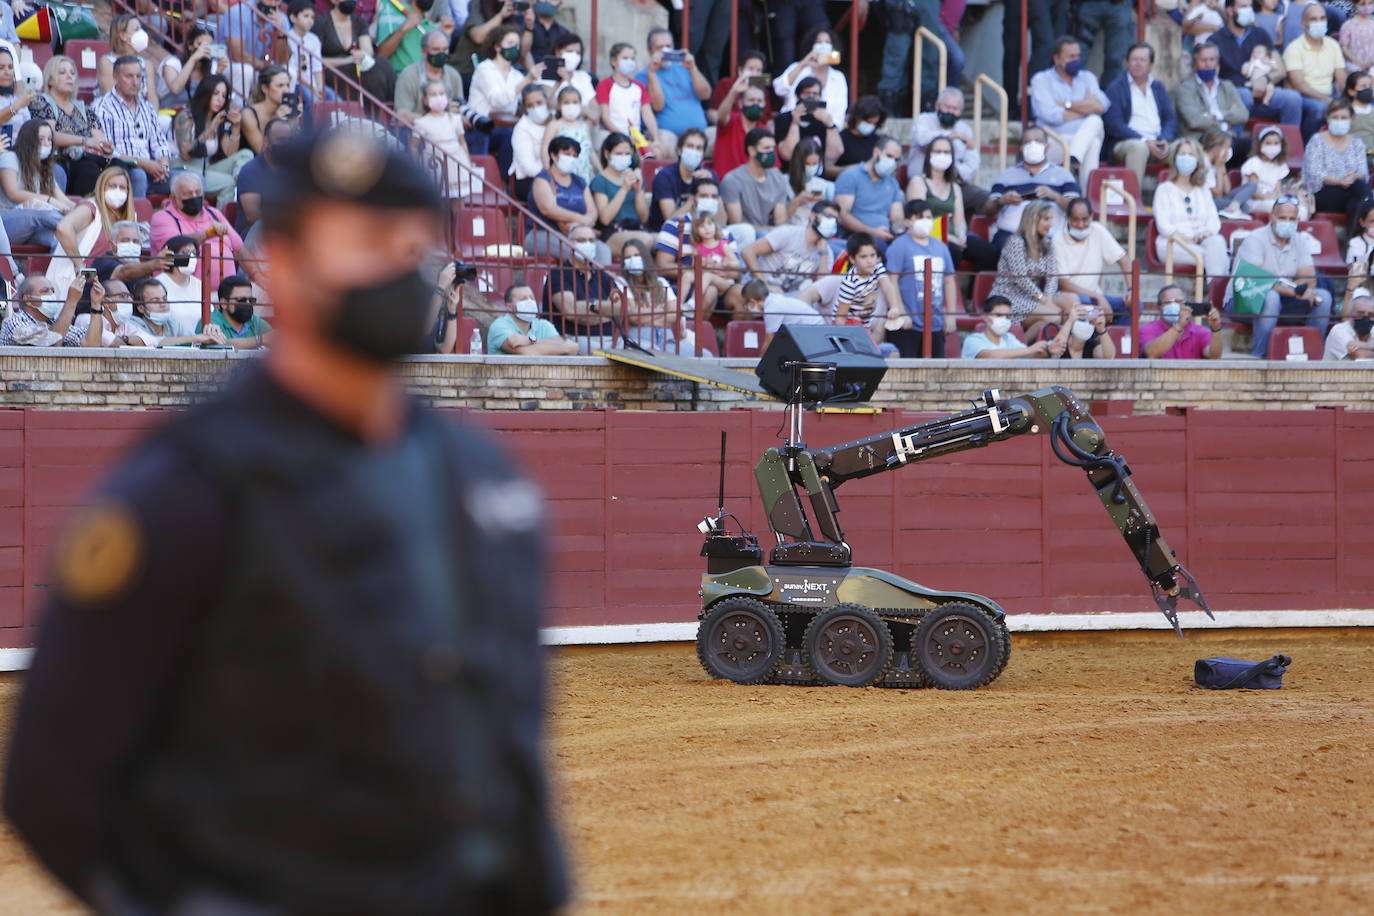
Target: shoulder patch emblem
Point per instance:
(99, 555)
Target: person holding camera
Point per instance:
(810, 120)
(676, 89)
(272, 98)
(209, 139)
(822, 62)
(181, 279)
(178, 76)
(1183, 330)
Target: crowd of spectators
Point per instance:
(682, 195)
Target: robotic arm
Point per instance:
(1074, 435)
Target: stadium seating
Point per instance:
(1117, 212)
(744, 338)
(466, 325)
(87, 54)
(480, 226)
(1279, 346)
(1120, 334)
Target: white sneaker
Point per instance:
(1232, 213)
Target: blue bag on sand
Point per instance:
(1238, 674)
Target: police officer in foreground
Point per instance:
(290, 665)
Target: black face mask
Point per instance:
(348, 6)
(386, 321)
(1365, 96)
(241, 312)
(6, 90)
(437, 60)
(423, 5)
(753, 112)
(946, 119)
(1362, 326)
(192, 206)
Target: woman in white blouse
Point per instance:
(496, 84)
(527, 140)
(818, 62)
(1184, 211)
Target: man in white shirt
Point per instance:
(1140, 121)
(947, 121)
(1353, 338)
(1084, 251)
(1067, 99)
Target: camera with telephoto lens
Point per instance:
(462, 273)
(478, 121)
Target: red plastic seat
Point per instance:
(1230, 227)
(706, 334)
(1329, 258)
(37, 257)
(1117, 213)
(478, 227)
(982, 226)
(42, 50)
(466, 325)
(143, 209)
(982, 288)
(86, 51)
(1311, 343)
(1154, 262)
(231, 212)
(1119, 333)
(744, 338)
(650, 166)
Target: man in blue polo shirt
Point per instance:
(521, 332)
(1033, 177)
(676, 89)
(869, 197)
(906, 260)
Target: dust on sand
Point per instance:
(1091, 777)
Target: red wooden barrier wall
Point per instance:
(1271, 510)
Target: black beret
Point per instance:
(344, 164)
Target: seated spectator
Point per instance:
(347, 46)
(1360, 251)
(42, 318)
(1277, 250)
(123, 261)
(1335, 167)
(574, 123)
(1351, 338)
(108, 305)
(1179, 332)
(411, 102)
(442, 129)
(804, 179)
(31, 204)
(1085, 250)
(257, 173)
(675, 249)
(1267, 169)
(1316, 68)
(1207, 102)
(187, 213)
(906, 260)
(545, 31)
(789, 257)
(652, 316)
(866, 120)
(622, 206)
(938, 185)
(753, 66)
(560, 197)
(1086, 336)
(304, 64)
(272, 98)
(676, 90)
(1184, 211)
(1248, 61)
(233, 315)
(128, 39)
(1028, 272)
(527, 138)
(865, 294)
(476, 29)
(820, 62)
(496, 83)
(20, 94)
(1359, 92)
(808, 121)
(88, 228)
(672, 185)
(1139, 120)
(248, 45)
(181, 280)
(179, 75)
(736, 121)
(153, 324)
(1033, 178)
(582, 295)
(132, 126)
(625, 104)
(1357, 39)
(80, 140)
(398, 30)
(1269, 16)
(756, 194)
(209, 138)
(946, 120)
(572, 75)
(996, 341)
(1067, 99)
(1217, 152)
(869, 197)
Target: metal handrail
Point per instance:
(1117, 186)
(1003, 109)
(923, 35)
(1057, 138)
(1199, 280)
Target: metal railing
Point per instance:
(1199, 279)
(1116, 186)
(923, 35)
(1002, 114)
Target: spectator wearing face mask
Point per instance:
(108, 305)
(256, 174)
(187, 213)
(821, 63)
(522, 332)
(869, 197)
(88, 229)
(181, 281)
(756, 194)
(1352, 338)
(1316, 67)
(1267, 169)
(545, 30)
(572, 75)
(581, 294)
(234, 315)
(155, 325)
(860, 134)
(906, 260)
(947, 120)
(1085, 337)
(789, 257)
(572, 121)
(810, 120)
(123, 261)
(1335, 168)
(1360, 251)
(675, 251)
(729, 92)
(1028, 272)
(652, 316)
(736, 122)
(625, 104)
(672, 184)
(1176, 335)
(527, 139)
(411, 101)
(1184, 211)
(995, 340)
(399, 28)
(1067, 99)
(1031, 179)
(1206, 102)
(41, 317)
(1085, 250)
(1277, 251)
(560, 197)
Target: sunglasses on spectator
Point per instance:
(244, 300)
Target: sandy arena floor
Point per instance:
(1091, 777)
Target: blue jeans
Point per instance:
(1285, 106)
(896, 72)
(1318, 317)
(1313, 116)
(1116, 22)
(31, 227)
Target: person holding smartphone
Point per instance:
(676, 88)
